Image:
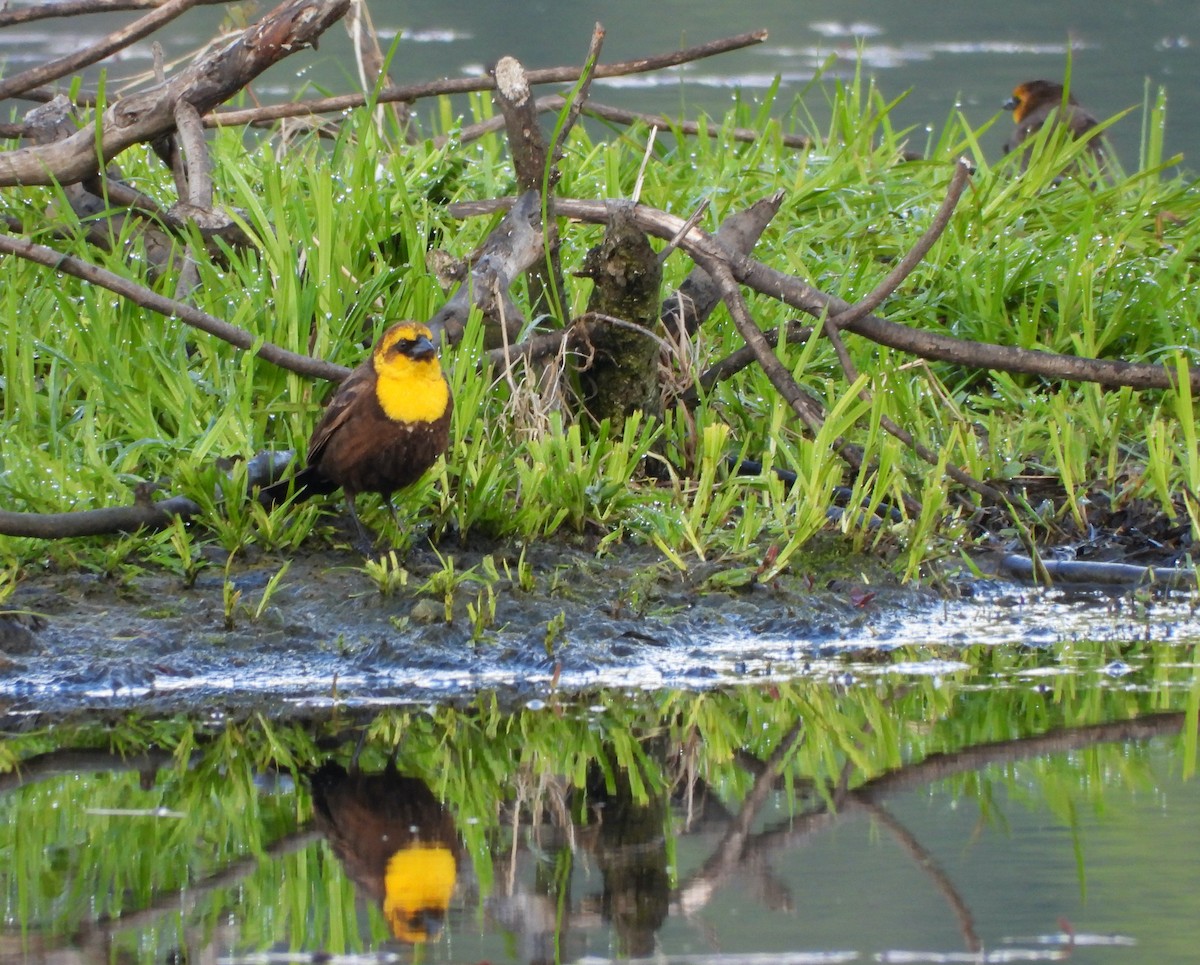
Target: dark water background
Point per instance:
(943, 54)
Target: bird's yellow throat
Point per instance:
(409, 390)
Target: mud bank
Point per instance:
(518, 621)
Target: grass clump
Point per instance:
(99, 397)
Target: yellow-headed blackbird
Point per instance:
(385, 425)
(396, 842)
(1034, 102)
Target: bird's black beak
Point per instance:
(1011, 104)
(422, 349)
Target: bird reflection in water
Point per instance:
(396, 842)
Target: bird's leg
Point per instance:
(362, 542)
(387, 501)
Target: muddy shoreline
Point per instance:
(550, 617)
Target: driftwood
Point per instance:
(148, 115)
(513, 247)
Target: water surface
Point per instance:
(940, 56)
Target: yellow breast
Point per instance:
(411, 391)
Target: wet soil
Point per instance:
(549, 616)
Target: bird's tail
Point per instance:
(305, 484)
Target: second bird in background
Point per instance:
(1035, 102)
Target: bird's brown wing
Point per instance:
(354, 392)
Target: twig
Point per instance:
(117, 40)
(960, 476)
(807, 409)
(929, 345)
(744, 357)
(75, 8)
(207, 82)
(618, 115)
(894, 278)
(468, 85)
(588, 318)
(580, 95)
(263, 469)
(958, 182)
(692, 221)
(140, 295)
(370, 60)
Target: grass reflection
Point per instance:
(543, 832)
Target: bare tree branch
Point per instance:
(468, 85)
(117, 40)
(211, 79)
(929, 345)
(906, 265)
(75, 8)
(147, 298)
(262, 470)
(580, 97)
(618, 115)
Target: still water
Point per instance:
(941, 54)
(1010, 814)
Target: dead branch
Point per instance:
(371, 61)
(552, 103)
(511, 248)
(262, 470)
(75, 8)
(145, 297)
(916, 254)
(928, 345)
(209, 81)
(893, 280)
(117, 40)
(469, 85)
(806, 408)
(580, 96)
(526, 146)
(197, 187)
(696, 298)
(535, 172)
(743, 358)
(51, 122)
